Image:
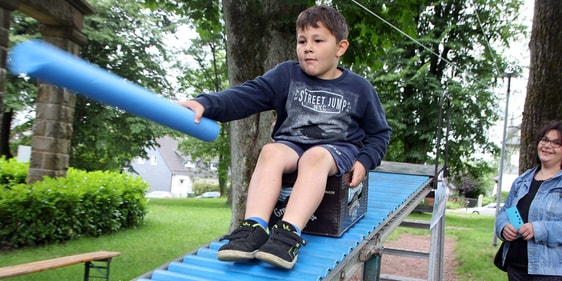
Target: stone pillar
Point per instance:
(52, 129)
(61, 25)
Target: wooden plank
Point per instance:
(21, 269)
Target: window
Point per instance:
(213, 167)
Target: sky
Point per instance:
(518, 90)
(519, 51)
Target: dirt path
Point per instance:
(415, 267)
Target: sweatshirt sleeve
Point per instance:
(260, 94)
(377, 135)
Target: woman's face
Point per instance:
(549, 149)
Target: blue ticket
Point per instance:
(514, 217)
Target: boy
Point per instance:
(329, 122)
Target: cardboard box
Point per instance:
(340, 208)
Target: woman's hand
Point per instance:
(527, 231)
(509, 233)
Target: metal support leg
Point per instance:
(372, 264)
(372, 269)
(103, 271)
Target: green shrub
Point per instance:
(200, 187)
(60, 209)
(12, 172)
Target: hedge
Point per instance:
(60, 209)
(12, 172)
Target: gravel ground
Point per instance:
(416, 267)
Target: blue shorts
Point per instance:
(344, 154)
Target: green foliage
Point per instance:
(208, 73)
(452, 79)
(200, 187)
(448, 80)
(474, 178)
(60, 209)
(19, 94)
(128, 40)
(12, 172)
(454, 204)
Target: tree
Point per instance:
(458, 65)
(448, 55)
(127, 40)
(208, 75)
(543, 102)
(20, 94)
(260, 35)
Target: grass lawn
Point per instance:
(174, 227)
(473, 235)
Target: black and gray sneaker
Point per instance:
(243, 242)
(282, 248)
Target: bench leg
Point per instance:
(103, 271)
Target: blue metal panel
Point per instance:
(387, 193)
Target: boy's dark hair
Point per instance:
(328, 16)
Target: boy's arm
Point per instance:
(261, 94)
(377, 135)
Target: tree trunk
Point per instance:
(260, 35)
(5, 14)
(544, 87)
(6, 123)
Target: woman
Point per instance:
(534, 251)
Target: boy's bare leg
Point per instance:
(315, 165)
(265, 186)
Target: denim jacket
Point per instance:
(545, 213)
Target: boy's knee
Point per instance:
(316, 154)
(272, 150)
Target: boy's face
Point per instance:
(319, 52)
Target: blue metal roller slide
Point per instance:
(388, 192)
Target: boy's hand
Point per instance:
(196, 107)
(358, 173)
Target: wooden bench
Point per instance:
(87, 258)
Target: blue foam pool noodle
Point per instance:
(46, 62)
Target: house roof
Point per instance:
(170, 154)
